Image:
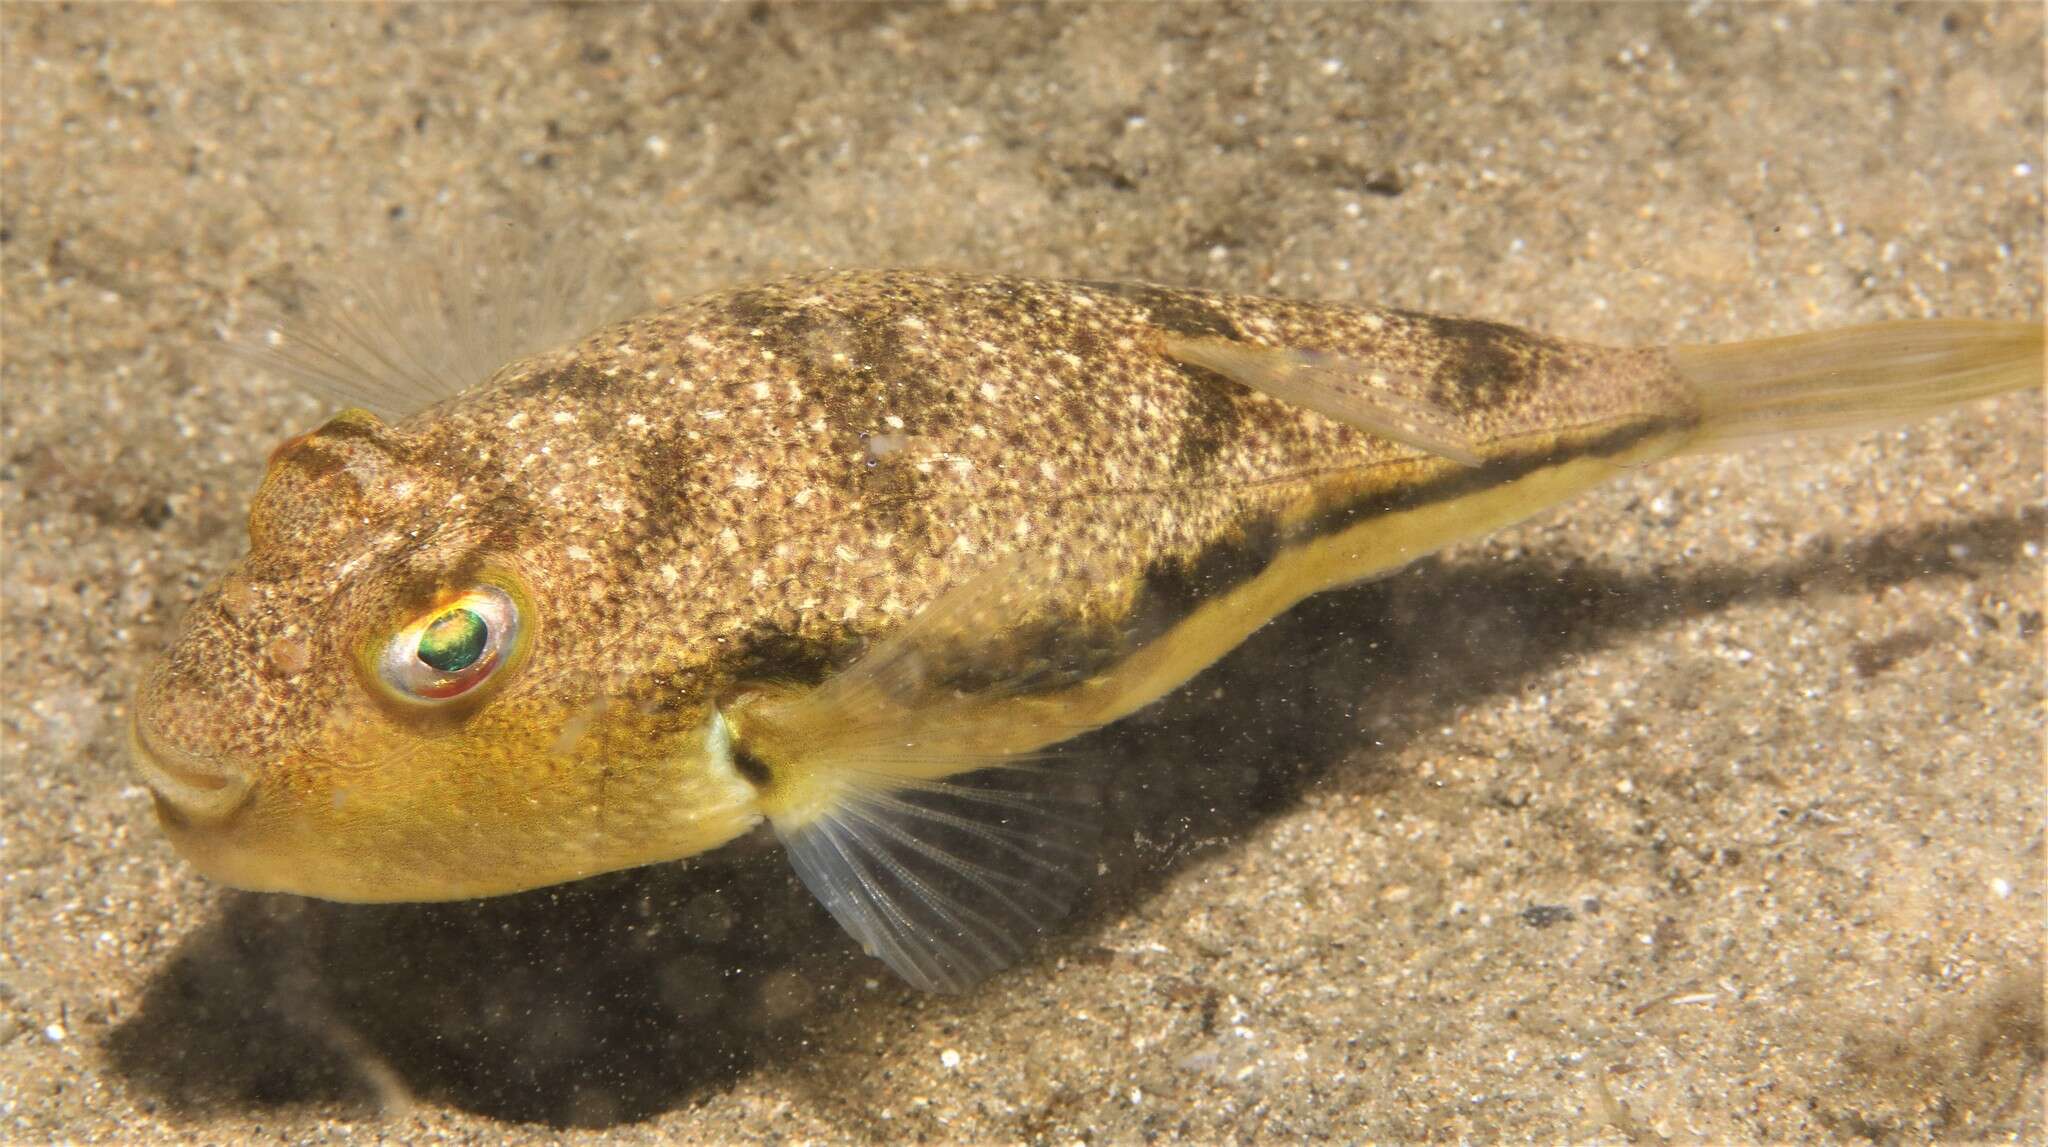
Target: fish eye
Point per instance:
(452, 648)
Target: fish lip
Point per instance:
(198, 787)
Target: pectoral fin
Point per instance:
(914, 795)
(1348, 390)
(946, 881)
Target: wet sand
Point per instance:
(1706, 808)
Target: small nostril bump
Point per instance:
(291, 656)
(238, 599)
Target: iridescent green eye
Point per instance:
(454, 640)
(452, 648)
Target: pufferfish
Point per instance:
(848, 552)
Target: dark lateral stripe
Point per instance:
(1463, 480)
(1056, 653)
(1176, 587)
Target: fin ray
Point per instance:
(913, 790)
(946, 881)
(403, 331)
(1855, 378)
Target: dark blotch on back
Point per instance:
(1182, 313)
(668, 471)
(865, 329)
(867, 332)
(1213, 418)
(769, 312)
(576, 379)
(341, 428)
(310, 458)
(1485, 363)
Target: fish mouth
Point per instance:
(197, 787)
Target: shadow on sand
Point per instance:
(619, 997)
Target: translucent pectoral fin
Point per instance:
(913, 788)
(1348, 390)
(947, 881)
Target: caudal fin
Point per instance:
(1856, 378)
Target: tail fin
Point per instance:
(1855, 378)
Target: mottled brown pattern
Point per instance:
(734, 454)
(695, 502)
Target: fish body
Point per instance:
(822, 551)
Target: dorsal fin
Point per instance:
(1349, 390)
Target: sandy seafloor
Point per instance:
(1707, 808)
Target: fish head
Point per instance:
(397, 693)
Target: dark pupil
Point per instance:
(454, 641)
